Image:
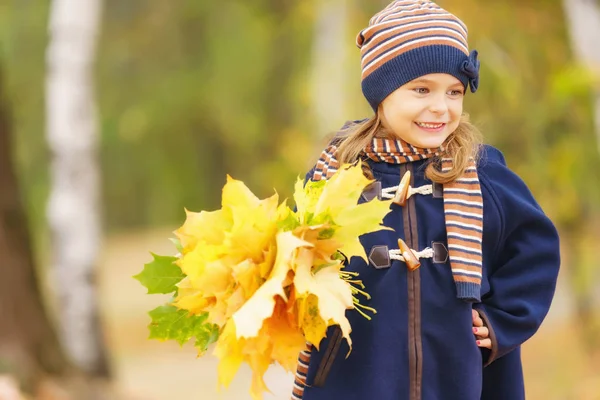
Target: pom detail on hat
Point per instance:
(471, 68)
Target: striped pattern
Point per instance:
(407, 25)
(301, 371)
(327, 164)
(463, 207)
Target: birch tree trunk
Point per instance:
(583, 21)
(73, 208)
(328, 77)
(29, 346)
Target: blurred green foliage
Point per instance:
(190, 91)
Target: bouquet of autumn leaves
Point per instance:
(259, 279)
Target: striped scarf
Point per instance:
(463, 207)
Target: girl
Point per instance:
(453, 312)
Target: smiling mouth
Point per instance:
(426, 125)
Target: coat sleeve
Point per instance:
(523, 275)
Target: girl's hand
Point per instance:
(481, 332)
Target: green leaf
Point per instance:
(208, 336)
(161, 275)
(171, 323)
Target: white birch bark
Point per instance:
(73, 208)
(583, 21)
(327, 75)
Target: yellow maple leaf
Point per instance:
(215, 277)
(254, 220)
(337, 199)
(189, 298)
(283, 333)
(229, 351)
(342, 190)
(266, 265)
(310, 320)
(234, 302)
(305, 198)
(277, 341)
(249, 319)
(270, 277)
(323, 248)
(237, 194)
(193, 263)
(333, 295)
(205, 226)
(228, 253)
(247, 275)
(259, 362)
(356, 221)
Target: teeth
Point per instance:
(429, 126)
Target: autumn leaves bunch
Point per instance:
(259, 279)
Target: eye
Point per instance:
(421, 90)
(456, 93)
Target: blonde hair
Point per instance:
(462, 145)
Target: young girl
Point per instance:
(453, 312)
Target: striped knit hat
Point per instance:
(409, 39)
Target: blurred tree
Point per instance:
(534, 104)
(583, 21)
(29, 347)
(328, 74)
(281, 68)
(189, 91)
(73, 209)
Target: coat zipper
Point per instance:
(415, 345)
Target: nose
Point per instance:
(438, 104)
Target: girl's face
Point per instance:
(425, 111)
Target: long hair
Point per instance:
(462, 145)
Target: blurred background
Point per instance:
(115, 115)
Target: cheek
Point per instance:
(456, 109)
(453, 126)
(395, 116)
(399, 108)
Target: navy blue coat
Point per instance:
(420, 345)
